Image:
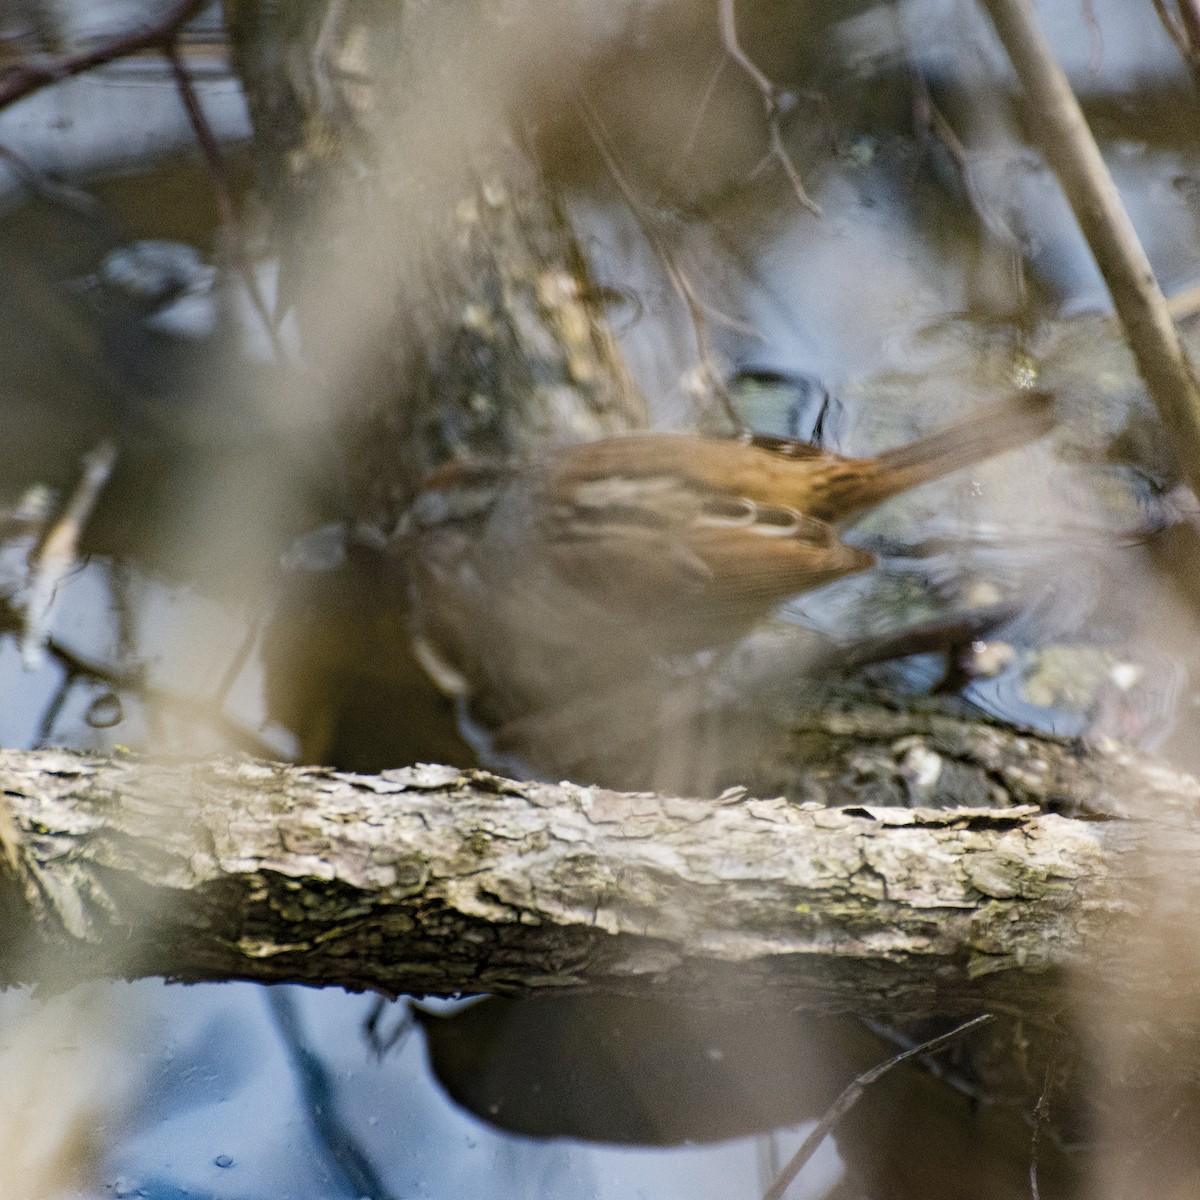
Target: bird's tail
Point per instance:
(1005, 425)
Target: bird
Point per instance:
(561, 580)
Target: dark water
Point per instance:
(194, 1093)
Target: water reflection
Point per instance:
(191, 1091)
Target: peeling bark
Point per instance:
(434, 880)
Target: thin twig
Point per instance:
(1189, 16)
(1071, 150)
(133, 681)
(223, 192)
(1041, 1117)
(766, 1147)
(1089, 17)
(932, 120)
(31, 76)
(851, 1096)
(771, 98)
(689, 143)
(237, 663)
(698, 311)
(1184, 30)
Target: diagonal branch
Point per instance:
(851, 1096)
(1072, 152)
(33, 75)
(223, 191)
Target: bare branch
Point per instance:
(32, 76)
(436, 880)
(223, 192)
(1072, 152)
(771, 98)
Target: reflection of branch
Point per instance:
(931, 118)
(699, 311)
(382, 1044)
(71, 199)
(1184, 29)
(317, 1093)
(931, 122)
(851, 1096)
(689, 143)
(942, 635)
(133, 680)
(1041, 1121)
(31, 76)
(52, 712)
(771, 97)
(223, 192)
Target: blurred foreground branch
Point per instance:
(434, 880)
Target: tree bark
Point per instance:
(435, 880)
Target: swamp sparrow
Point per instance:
(571, 575)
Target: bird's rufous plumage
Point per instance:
(580, 568)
